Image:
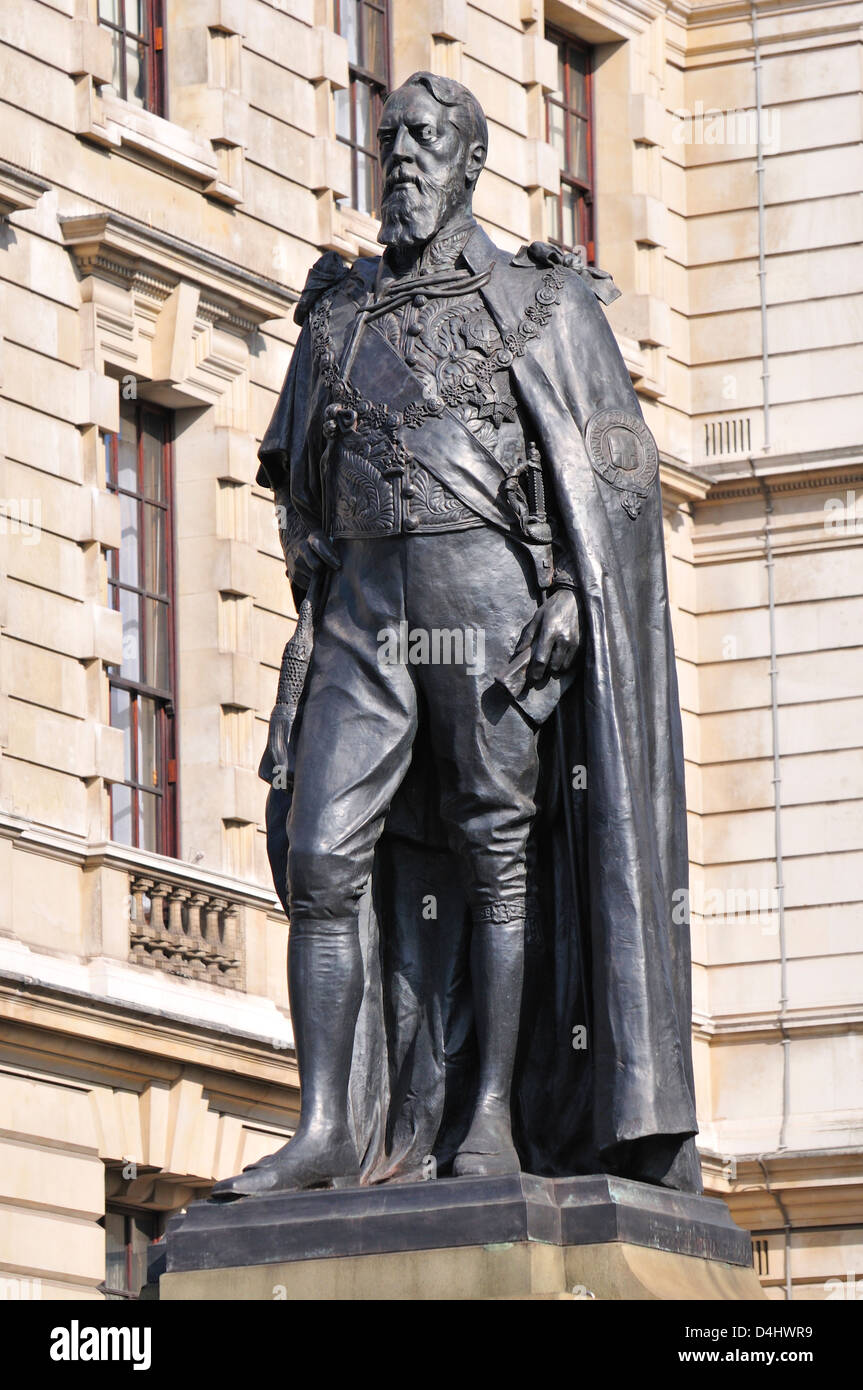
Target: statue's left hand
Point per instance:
(553, 633)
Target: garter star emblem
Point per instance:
(623, 452)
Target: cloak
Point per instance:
(604, 1070)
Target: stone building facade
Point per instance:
(169, 171)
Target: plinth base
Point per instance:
(463, 1238)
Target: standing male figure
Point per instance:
(458, 448)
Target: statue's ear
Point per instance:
(475, 163)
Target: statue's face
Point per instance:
(424, 160)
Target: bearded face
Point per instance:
(415, 206)
(424, 158)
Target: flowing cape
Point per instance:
(604, 1069)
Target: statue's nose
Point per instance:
(403, 143)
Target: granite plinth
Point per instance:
(603, 1221)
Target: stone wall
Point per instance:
(163, 256)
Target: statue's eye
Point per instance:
(424, 133)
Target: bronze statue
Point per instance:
(476, 820)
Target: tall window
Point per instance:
(569, 130)
(141, 585)
(137, 34)
(365, 25)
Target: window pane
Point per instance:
(155, 549)
(363, 99)
(121, 718)
(577, 79)
(116, 60)
(111, 10)
(365, 183)
(552, 208)
(130, 608)
(135, 73)
(567, 199)
(343, 113)
(153, 455)
(157, 668)
(143, 1231)
(136, 17)
(128, 558)
(347, 26)
(115, 1249)
(375, 54)
(149, 772)
(127, 452)
(556, 132)
(148, 821)
(578, 165)
(583, 225)
(121, 819)
(561, 71)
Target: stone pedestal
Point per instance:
(463, 1238)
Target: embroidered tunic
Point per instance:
(452, 345)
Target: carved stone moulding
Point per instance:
(19, 189)
(171, 313)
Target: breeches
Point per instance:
(414, 632)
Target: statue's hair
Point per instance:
(467, 115)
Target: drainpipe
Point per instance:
(774, 670)
(786, 1226)
(780, 874)
(762, 255)
(777, 813)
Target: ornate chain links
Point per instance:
(351, 410)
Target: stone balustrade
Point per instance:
(185, 930)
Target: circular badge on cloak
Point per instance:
(624, 453)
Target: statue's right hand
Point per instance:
(311, 556)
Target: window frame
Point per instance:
(128, 1214)
(155, 98)
(378, 84)
(164, 698)
(568, 179)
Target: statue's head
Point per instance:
(433, 140)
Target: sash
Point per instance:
(441, 443)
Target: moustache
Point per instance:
(403, 183)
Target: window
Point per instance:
(128, 1237)
(141, 587)
(365, 25)
(569, 130)
(137, 34)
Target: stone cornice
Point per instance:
(695, 16)
(124, 1038)
(785, 473)
(19, 189)
(764, 1024)
(680, 482)
(154, 262)
(817, 1187)
(57, 844)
